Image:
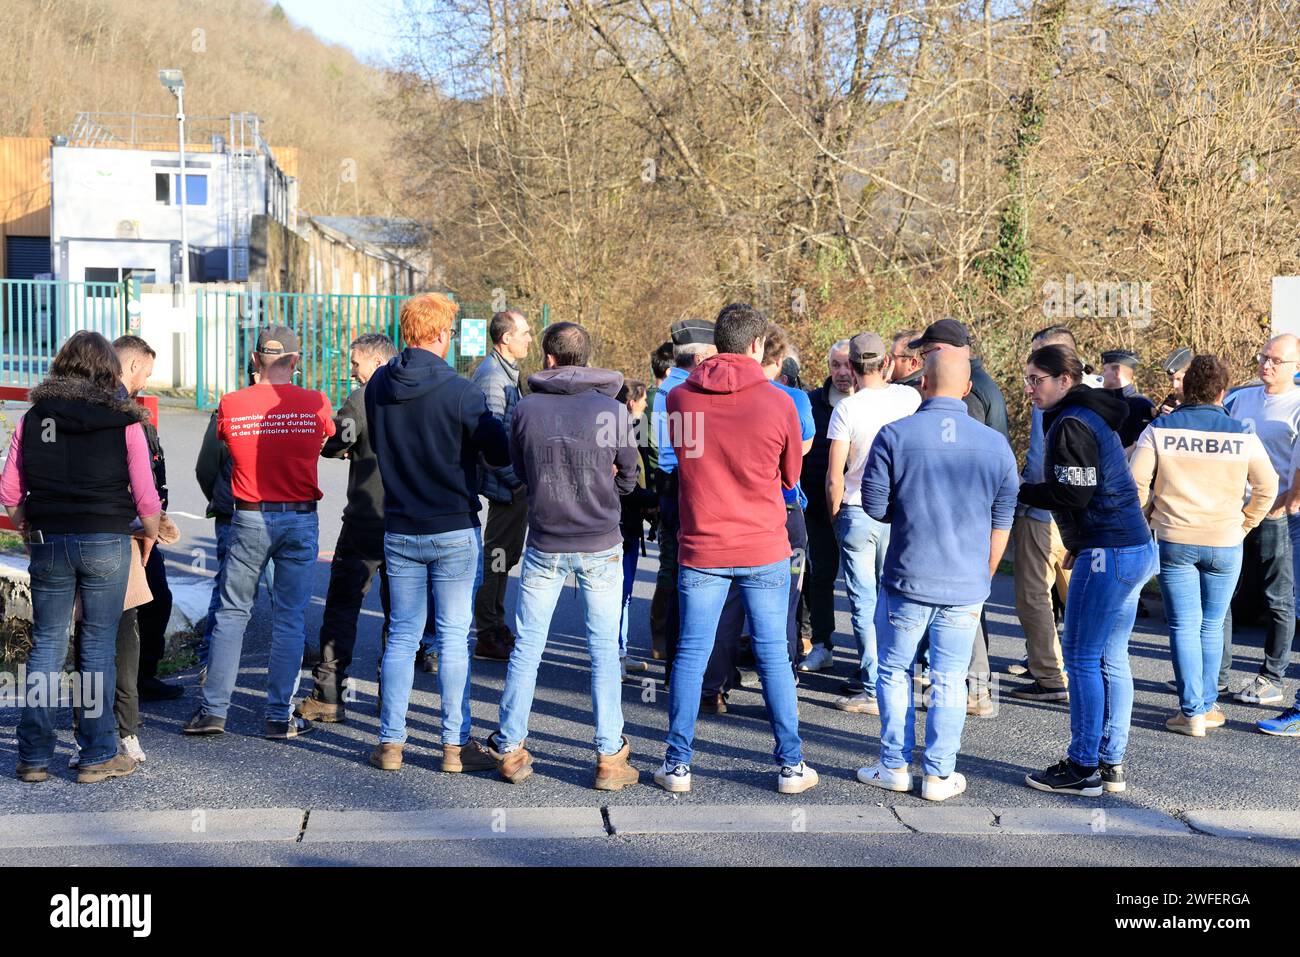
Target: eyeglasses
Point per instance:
(1033, 380)
(1274, 361)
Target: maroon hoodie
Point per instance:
(738, 444)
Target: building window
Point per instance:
(167, 189)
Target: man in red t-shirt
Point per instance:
(274, 431)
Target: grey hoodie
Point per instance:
(574, 445)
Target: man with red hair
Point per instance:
(428, 427)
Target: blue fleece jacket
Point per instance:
(943, 481)
(427, 427)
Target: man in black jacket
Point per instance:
(359, 552)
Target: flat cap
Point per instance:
(1123, 356)
(1178, 360)
(692, 332)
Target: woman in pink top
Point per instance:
(76, 477)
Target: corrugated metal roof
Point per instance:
(379, 230)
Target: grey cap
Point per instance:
(1125, 357)
(866, 345)
(277, 340)
(1178, 360)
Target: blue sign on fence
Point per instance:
(473, 337)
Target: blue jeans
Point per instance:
(901, 623)
(765, 590)
(1197, 582)
(97, 565)
(222, 531)
(631, 551)
(1099, 615)
(257, 538)
(445, 569)
(863, 542)
(541, 579)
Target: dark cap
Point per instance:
(692, 332)
(866, 345)
(1123, 356)
(1178, 360)
(277, 341)
(948, 331)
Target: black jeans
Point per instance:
(1266, 550)
(153, 616)
(823, 569)
(126, 697)
(726, 643)
(358, 554)
(669, 524)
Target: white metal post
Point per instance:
(185, 240)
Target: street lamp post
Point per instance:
(175, 82)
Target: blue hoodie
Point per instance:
(427, 427)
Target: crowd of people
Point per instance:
(896, 472)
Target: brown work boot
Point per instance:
(470, 756)
(118, 766)
(31, 775)
(613, 772)
(313, 709)
(387, 757)
(494, 644)
(713, 704)
(513, 766)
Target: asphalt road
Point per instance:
(1234, 768)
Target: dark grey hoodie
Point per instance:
(574, 445)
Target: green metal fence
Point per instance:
(37, 315)
(227, 320)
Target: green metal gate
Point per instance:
(38, 315)
(227, 320)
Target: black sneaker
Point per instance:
(203, 723)
(1066, 777)
(153, 689)
(1036, 692)
(283, 730)
(853, 686)
(1112, 777)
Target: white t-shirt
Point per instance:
(1276, 420)
(858, 418)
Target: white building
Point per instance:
(116, 197)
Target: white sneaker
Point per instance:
(74, 762)
(675, 779)
(891, 779)
(130, 746)
(858, 704)
(821, 659)
(935, 788)
(795, 779)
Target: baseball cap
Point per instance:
(866, 345)
(948, 331)
(688, 332)
(1178, 360)
(1124, 357)
(277, 341)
